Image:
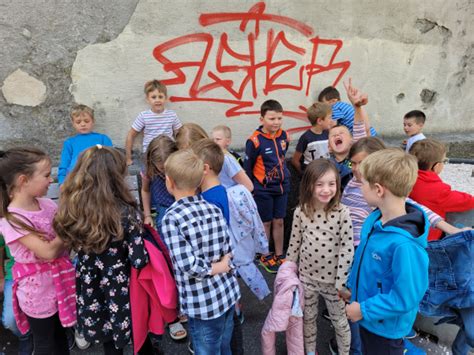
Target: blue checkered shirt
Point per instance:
(196, 235)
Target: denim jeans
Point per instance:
(356, 342)
(25, 346)
(213, 336)
(464, 341)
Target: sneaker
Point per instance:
(280, 259)
(81, 342)
(333, 347)
(269, 263)
(240, 317)
(326, 314)
(412, 335)
(190, 348)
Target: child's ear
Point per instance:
(207, 168)
(21, 179)
(379, 190)
(170, 185)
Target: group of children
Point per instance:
(357, 238)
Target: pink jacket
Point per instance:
(153, 293)
(280, 318)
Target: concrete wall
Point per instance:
(405, 54)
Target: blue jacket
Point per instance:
(390, 272)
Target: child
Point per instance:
(390, 272)
(154, 192)
(265, 165)
(98, 218)
(413, 123)
(198, 240)
(153, 122)
(222, 135)
(321, 243)
(231, 173)
(342, 112)
(43, 289)
(188, 134)
(429, 189)
(313, 144)
(82, 118)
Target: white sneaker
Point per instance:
(81, 342)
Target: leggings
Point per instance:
(49, 336)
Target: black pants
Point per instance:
(49, 336)
(373, 344)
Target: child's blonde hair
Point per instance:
(188, 134)
(92, 201)
(314, 171)
(185, 169)
(392, 168)
(210, 153)
(224, 129)
(318, 110)
(79, 109)
(428, 152)
(153, 85)
(159, 149)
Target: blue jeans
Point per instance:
(213, 336)
(464, 341)
(356, 342)
(25, 346)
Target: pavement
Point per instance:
(255, 313)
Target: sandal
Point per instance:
(177, 331)
(183, 318)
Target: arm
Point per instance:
(346, 251)
(358, 100)
(250, 158)
(65, 161)
(43, 249)
(2, 272)
(129, 144)
(455, 201)
(146, 200)
(222, 266)
(293, 252)
(242, 178)
(296, 161)
(410, 281)
(448, 228)
(432, 217)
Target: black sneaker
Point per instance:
(333, 347)
(326, 315)
(190, 348)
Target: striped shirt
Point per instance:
(343, 113)
(359, 209)
(154, 124)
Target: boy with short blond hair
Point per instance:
(429, 189)
(199, 243)
(82, 119)
(390, 270)
(153, 122)
(313, 144)
(413, 123)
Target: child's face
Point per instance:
(220, 139)
(327, 123)
(330, 101)
(83, 123)
(37, 184)
(340, 140)
(355, 163)
(325, 188)
(156, 100)
(271, 122)
(411, 127)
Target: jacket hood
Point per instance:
(414, 225)
(287, 276)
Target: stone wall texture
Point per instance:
(222, 59)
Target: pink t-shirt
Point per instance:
(36, 293)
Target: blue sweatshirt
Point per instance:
(390, 272)
(74, 146)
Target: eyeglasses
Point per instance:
(445, 161)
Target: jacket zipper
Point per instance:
(279, 163)
(360, 264)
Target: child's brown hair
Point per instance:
(188, 134)
(314, 171)
(317, 110)
(153, 85)
(79, 109)
(210, 153)
(159, 149)
(428, 152)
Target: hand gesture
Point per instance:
(345, 294)
(355, 96)
(353, 312)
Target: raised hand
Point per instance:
(355, 96)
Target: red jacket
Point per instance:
(432, 192)
(153, 293)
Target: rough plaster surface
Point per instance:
(405, 54)
(20, 88)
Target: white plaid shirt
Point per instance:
(196, 235)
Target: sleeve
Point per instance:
(106, 141)
(134, 233)
(410, 281)
(250, 158)
(139, 123)
(176, 123)
(182, 252)
(346, 250)
(65, 161)
(302, 144)
(231, 166)
(293, 252)
(433, 218)
(455, 201)
(10, 233)
(359, 131)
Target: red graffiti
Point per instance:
(283, 66)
